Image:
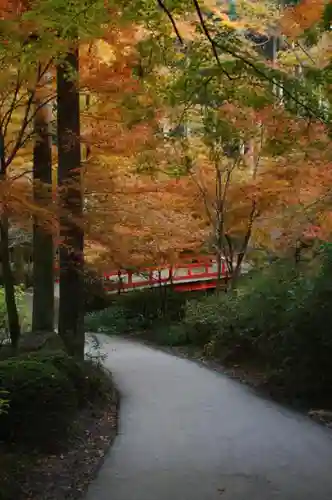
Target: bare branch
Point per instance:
(216, 44)
(28, 119)
(19, 176)
(172, 20)
(206, 31)
(6, 118)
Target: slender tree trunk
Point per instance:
(7, 274)
(19, 271)
(219, 271)
(162, 295)
(8, 279)
(43, 252)
(235, 278)
(71, 261)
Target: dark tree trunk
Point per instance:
(43, 252)
(219, 271)
(18, 260)
(71, 260)
(8, 280)
(7, 274)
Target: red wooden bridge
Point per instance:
(183, 277)
(199, 275)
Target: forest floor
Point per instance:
(65, 473)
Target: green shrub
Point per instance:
(152, 304)
(98, 382)
(138, 311)
(68, 366)
(269, 305)
(169, 335)
(203, 318)
(303, 360)
(88, 377)
(111, 320)
(249, 319)
(42, 401)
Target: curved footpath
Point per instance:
(188, 433)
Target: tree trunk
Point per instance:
(8, 280)
(43, 252)
(7, 273)
(71, 261)
(19, 265)
(235, 277)
(219, 272)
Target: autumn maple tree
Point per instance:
(258, 134)
(178, 128)
(133, 218)
(223, 176)
(27, 61)
(19, 106)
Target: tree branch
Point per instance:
(215, 45)
(207, 34)
(172, 20)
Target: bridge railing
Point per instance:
(198, 275)
(182, 277)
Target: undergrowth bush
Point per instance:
(111, 320)
(278, 318)
(167, 334)
(153, 304)
(249, 318)
(139, 311)
(44, 390)
(88, 378)
(303, 365)
(42, 402)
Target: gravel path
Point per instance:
(188, 433)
